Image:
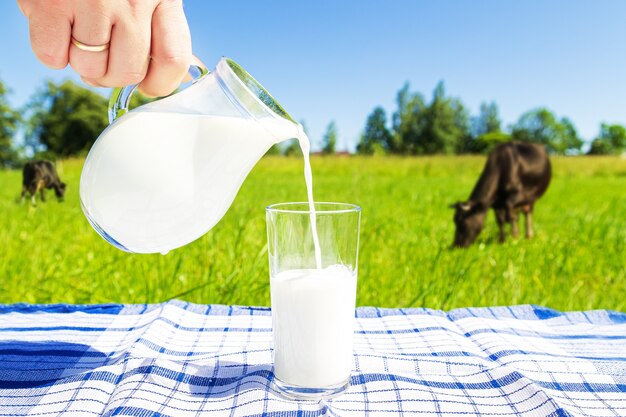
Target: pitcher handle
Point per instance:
(120, 97)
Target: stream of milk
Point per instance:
(305, 146)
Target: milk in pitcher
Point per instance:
(164, 179)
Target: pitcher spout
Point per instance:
(253, 100)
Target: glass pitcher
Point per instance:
(163, 174)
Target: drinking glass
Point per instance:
(313, 304)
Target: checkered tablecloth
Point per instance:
(180, 359)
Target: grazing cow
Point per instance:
(39, 175)
(515, 176)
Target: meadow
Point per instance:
(577, 260)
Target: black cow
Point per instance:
(39, 175)
(515, 176)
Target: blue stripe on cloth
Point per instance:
(61, 308)
(617, 317)
(116, 309)
(543, 313)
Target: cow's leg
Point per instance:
(511, 215)
(31, 190)
(514, 228)
(528, 212)
(23, 195)
(40, 189)
(512, 202)
(501, 219)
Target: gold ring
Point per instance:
(90, 48)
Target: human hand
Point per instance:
(149, 40)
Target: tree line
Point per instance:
(64, 119)
(444, 126)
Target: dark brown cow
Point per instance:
(515, 176)
(39, 175)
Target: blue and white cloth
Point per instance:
(181, 359)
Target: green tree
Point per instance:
(487, 121)
(376, 138)
(445, 125)
(485, 131)
(542, 126)
(439, 127)
(407, 121)
(600, 147)
(292, 148)
(570, 142)
(9, 121)
(329, 141)
(65, 119)
(462, 126)
(611, 141)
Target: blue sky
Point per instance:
(337, 60)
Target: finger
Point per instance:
(92, 26)
(170, 51)
(194, 61)
(91, 82)
(25, 7)
(129, 53)
(50, 29)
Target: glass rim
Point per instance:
(256, 90)
(347, 208)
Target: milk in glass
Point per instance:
(313, 322)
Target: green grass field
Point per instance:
(577, 260)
